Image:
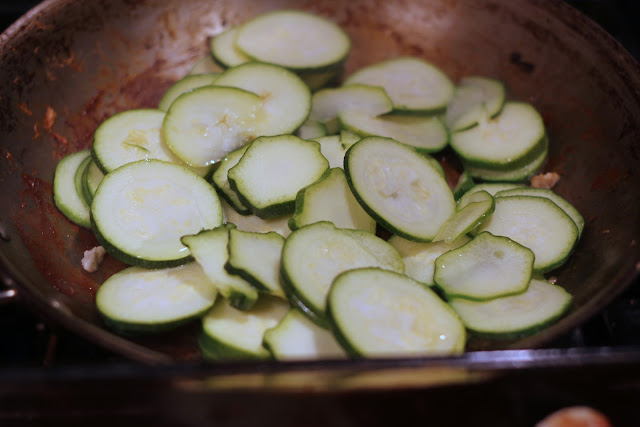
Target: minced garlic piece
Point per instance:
(92, 259)
(545, 180)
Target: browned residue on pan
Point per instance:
(55, 244)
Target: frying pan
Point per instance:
(67, 65)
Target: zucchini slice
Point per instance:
(254, 223)
(91, 178)
(221, 180)
(414, 85)
(298, 338)
(184, 85)
(510, 140)
(272, 171)
(515, 316)
(209, 248)
(464, 184)
(425, 133)
(536, 223)
(311, 129)
(555, 198)
(142, 209)
(475, 99)
(490, 187)
(206, 124)
(140, 300)
(256, 258)
(294, 39)
(224, 50)
(65, 195)
(328, 104)
(380, 313)
(285, 98)
(314, 255)
(78, 179)
(485, 268)
(319, 79)
(130, 136)
(419, 258)
(332, 149)
(205, 64)
(330, 199)
(517, 174)
(400, 188)
(348, 138)
(231, 334)
(465, 220)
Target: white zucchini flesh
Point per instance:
(231, 334)
(426, 133)
(204, 125)
(311, 129)
(536, 223)
(296, 337)
(294, 39)
(221, 180)
(330, 199)
(328, 104)
(142, 209)
(348, 138)
(256, 258)
(465, 220)
(514, 316)
(67, 199)
(475, 99)
(485, 268)
(490, 187)
(254, 223)
(186, 84)
(224, 50)
(511, 139)
(272, 171)
(412, 84)
(379, 313)
(130, 136)
(209, 248)
(555, 198)
(419, 258)
(314, 255)
(332, 149)
(399, 187)
(204, 65)
(137, 299)
(285, 98)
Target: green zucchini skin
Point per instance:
(66, 197)
(505, 327)
(140, 200)
(274, 201)
(359, 293)
(425, 162)
(142, 301)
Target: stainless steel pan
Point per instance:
(68, 65)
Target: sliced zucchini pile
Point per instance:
(254, 196)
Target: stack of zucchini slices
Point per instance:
(251, 198)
